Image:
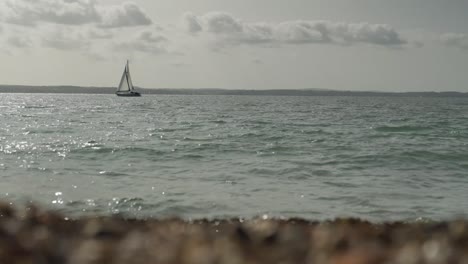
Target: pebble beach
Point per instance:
(31, 235)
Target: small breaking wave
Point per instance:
(401, 129)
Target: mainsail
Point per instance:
(125, 87)
(126, 81)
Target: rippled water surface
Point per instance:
(217, 156)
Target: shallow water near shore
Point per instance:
(380, 158)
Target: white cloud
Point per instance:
(72, 12)
(230, 30)
(455, 40)
(126, 15)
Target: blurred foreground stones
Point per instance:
(29, 235)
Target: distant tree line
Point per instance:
(207, 91)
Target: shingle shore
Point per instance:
(31, 235)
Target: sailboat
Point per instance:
(125, 87)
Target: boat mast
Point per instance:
(127, 72)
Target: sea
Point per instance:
(189, 156)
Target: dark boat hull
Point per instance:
(131, 94)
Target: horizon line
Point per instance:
(231, 89)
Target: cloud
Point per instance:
(301, 32)
(150, 37)
(65, 39)
(93, 33)
(19, 41)
(222, 23)
(85, 41)
(455, 40)
(229, 30)
(257, 61)
(69, 12)
(72, 12)
(61, 37)
(125, 15)
(191, 23)
(145, 41)
(90, 41)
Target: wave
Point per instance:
(137, 207)
(404, 128)
(125, 151)
(218, 122)
(63, 130)
(39, 106)
(197, 139)
(436, 156)
(113, 174)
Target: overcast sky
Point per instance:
(379, 45)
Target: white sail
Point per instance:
(125, 87)
(126, 82)
(129, 79)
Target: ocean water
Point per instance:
(379, 158)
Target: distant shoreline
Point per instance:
(209, 91)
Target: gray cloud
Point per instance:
(69, 12)
(19, 41)
(455, 40)
(72, 12)
(58, 37)
(99, 34)
(339, 33)
(93, 42)
(257, 61)
(146, 42)
(125, 15)
(191, 23)
(230, 30)
(150, 37)
(63, 39)
(218, 22)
